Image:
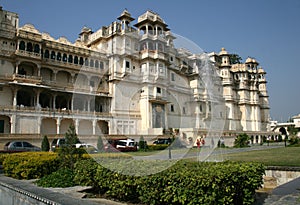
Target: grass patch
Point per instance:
(284, 156)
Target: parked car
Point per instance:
(163, 141)
(21, 146)
(88, 147)
(126, 145)
(57, 142)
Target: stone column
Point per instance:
(77, 125)
(17, 67)
(39, 122)
(15, 93)
(54, 76)
(94, 126)
(37, 103)
(58, 121)
(13, 124)
(39, 70)
(54, 99)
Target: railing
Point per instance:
(28, 54)
(36, 110)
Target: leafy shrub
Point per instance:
(30, 165)
(157, 147)
(2, 157)
(85, 171)
(60, 178)
(241, 140)
(183, 183)
(294, 140)
(45, 144)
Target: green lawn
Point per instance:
(284, 156)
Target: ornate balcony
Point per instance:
(26, 79)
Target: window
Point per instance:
(96, 64)
(58, 56)
(200, 107)
(183, 110)
(172, 108)
(36, 48)
(127, 64)
(64, 57)
(46, 55)
(91, 63)
(1, 126)
(81, 61)
(92, 83)
(70, 59)
(1, 88)
(53, 55)
(173, 76)
(101, 65)
(86, 62)
(22, 45)
(29, 47)
(158, 90)
(76, 60)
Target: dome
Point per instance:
(223, 52)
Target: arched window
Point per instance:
(22, 46)
(143, 46)
(143, 30)
(58, 56)
(159, 31)
(64, 57)
(53, 55)
(36, 48)
(29, 47)
(46, 54)
(80, 61)
(70, 59)
(86, 62)
(150, 30)
(91, 63)
(160, 47)
(96, 64)
(150, 46)
(101, 65)
(76, 60)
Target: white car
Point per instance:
(88, 147)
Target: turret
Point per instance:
(125, 19)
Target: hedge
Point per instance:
(30, 165)
(183, 183)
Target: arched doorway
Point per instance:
(4, 124)
(25, 98)
(102, 127)
(48, 126)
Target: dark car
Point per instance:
(21, 146)
(163, 141)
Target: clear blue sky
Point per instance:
(268, 30)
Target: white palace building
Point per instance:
(127, 78)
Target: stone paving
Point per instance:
(286, 194)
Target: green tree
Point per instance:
(45, 144)
(142, 143)
(69, 154)
(235, 58)
(100, 144)
(242, 140)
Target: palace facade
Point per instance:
(125, 78)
